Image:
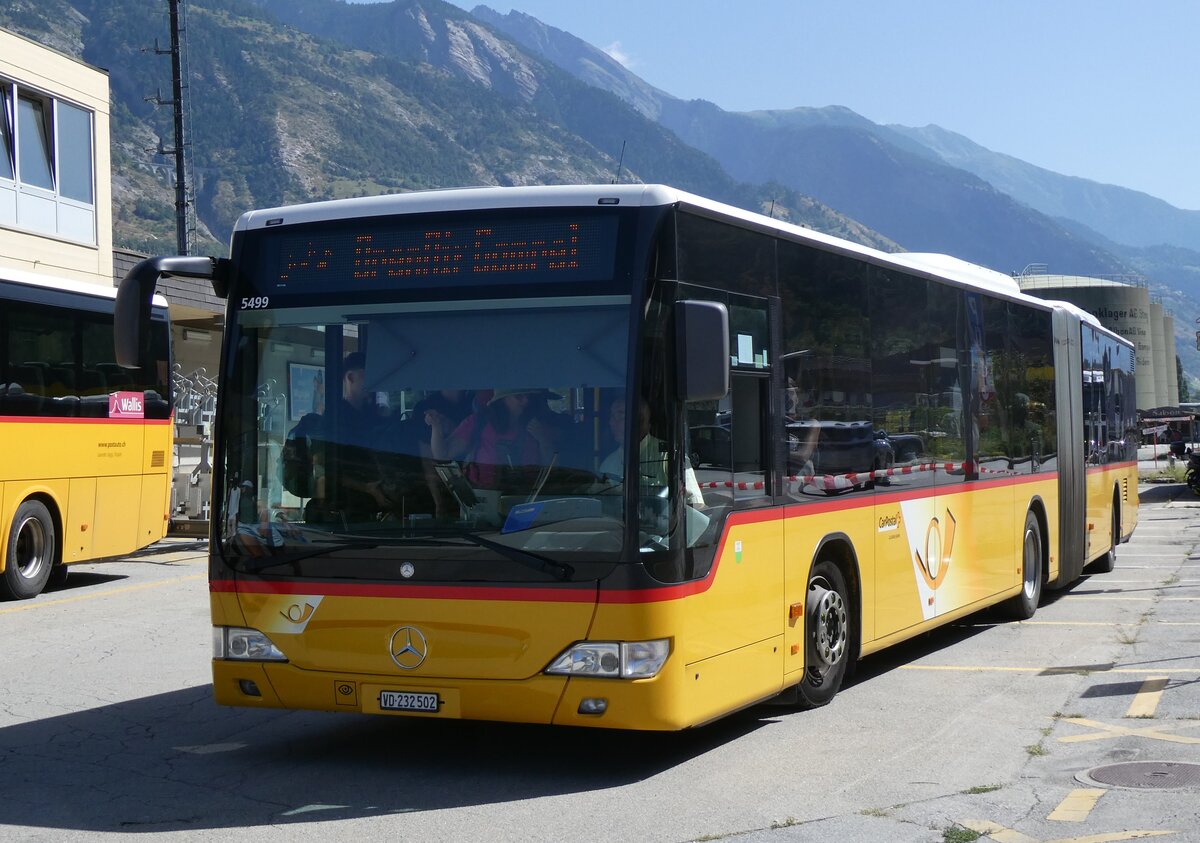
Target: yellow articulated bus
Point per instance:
(837, 449)
(85, 444)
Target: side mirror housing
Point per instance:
(701, 350)
(135, 294)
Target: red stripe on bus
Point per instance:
(76, 420)
(426, 592)
(800, 510)
(1098, 469)
(655, 594)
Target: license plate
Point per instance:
(407, 701)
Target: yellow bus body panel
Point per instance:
(736, 637)
(1103, 484)
(106, 483)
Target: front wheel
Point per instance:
(29, 555)
(827, 616)
(1023, 606)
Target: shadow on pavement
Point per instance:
(1164, 492)
(925, 644)
(77, 579)
(178, 761)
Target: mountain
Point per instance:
(1125, 216)
(916, 200)
(295, 100)
(889, 181)
(316, 99)
(928, 189)
(577, 57)
(628, 143)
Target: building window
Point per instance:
(47, 170)
(6, 136)
(75, 153)
(36, 164)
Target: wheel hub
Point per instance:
(828, 631)
(1031, 570)
(31, 548)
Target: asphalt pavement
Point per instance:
(1081, 725)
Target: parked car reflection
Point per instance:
(854, 447)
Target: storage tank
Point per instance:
(1158, 345)
(1121, 307)
(1172, 373)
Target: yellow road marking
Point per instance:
(1112, 837)
(1104, 731)
(997, 832)
(1068, 623)
(1076, 807)
(108, 592)
(172, 556)
(1007, 835)
(1127, 599)
(1049, 671)
(1145, 703)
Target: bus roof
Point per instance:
(50, 282)
(944, 267)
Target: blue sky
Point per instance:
(1094, 88)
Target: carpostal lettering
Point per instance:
(889, 522)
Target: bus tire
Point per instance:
(827, 635)
(1024, 605)
(1106, 563)
(29, 555)
(58, 576)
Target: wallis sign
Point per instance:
(126, 405)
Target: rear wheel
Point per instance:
(827, 635)
(1023, 606)
(1108, 561)
(29, 555)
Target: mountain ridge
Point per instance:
(295, 100)
(915, 197)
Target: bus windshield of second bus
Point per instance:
(479, 426)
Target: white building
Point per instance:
(55, 182)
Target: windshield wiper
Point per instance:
(536, 561)
(254, 566)
(545, 564)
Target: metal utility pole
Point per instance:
(181, 202)
(176, 102)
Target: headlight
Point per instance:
(238, 644)
(613, 659)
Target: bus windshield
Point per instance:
(438, 440)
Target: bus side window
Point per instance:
(750, 453)
(26, 392)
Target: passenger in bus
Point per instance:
(651, 456)
(351, 463)
(502, 446)
(447, 407)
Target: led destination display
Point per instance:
(403, 255)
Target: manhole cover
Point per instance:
(1144, 775)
